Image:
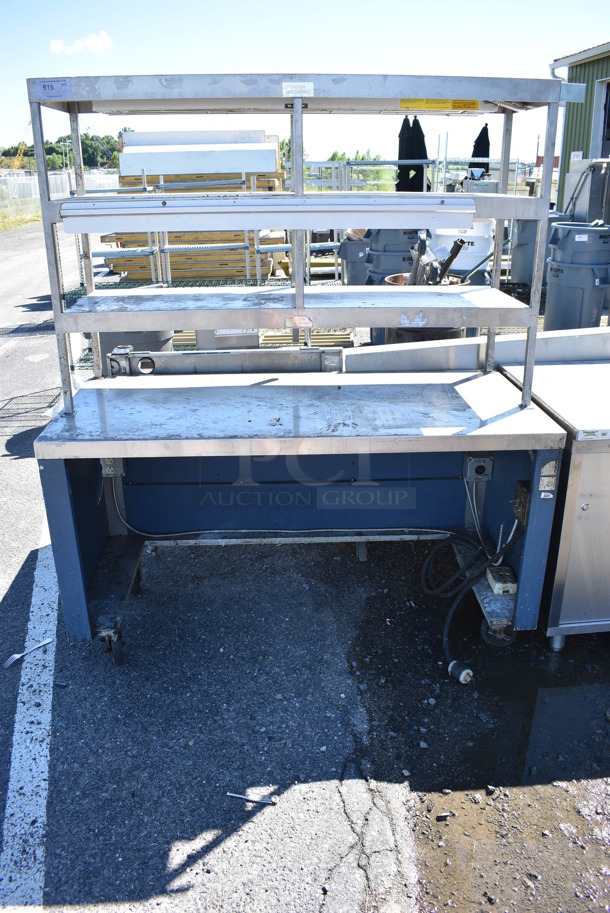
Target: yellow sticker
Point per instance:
(439, 104)
(464, 104)
(426, 104)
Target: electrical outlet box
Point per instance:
(502, 581)
(112, 467)
(478, 468)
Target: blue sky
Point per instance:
(70, 38)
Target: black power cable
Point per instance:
(458, 584)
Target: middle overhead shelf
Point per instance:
(241, 211)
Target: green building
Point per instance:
(586, 132)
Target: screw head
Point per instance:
(585, 506)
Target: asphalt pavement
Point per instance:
(298, 676)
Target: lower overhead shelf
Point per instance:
(157, 308)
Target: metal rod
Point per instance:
(152, 257)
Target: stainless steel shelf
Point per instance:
(323, 93)
(130, 310)
(187, 212)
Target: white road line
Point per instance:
(22, 863)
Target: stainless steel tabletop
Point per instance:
(576, 395)
(229, 415)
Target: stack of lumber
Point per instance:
(265, 180)
(196, 162)
(193, 265)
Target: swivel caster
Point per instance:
(497, 638)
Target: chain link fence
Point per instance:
(20, 195)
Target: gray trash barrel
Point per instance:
(524, 248)
(353, 261)
(578, 276)
(381, 264)
(389, 252)
(388, 240)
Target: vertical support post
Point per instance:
(504, 173)
(79, 175)
(535, 543)
(257, 255)
(298, 188)
(167, 256)
(53, 263)
(499, 241)
(66, 548)
(543, 227)
(157, 247)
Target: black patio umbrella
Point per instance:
(419, 151)
(411, 145)
(480, 150)
(404, 152)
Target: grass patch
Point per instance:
(15, 213)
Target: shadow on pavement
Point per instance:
(284, 671)
(22, 418)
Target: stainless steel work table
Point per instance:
(229, 415)
(282, 457)
(576, 395)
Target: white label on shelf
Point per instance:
(54, 89)
(297, 89)
(299, 321)
(581, 237)
(601, 434)
(234, 332)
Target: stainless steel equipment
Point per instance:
(579, 576)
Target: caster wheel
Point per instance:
(497, 638)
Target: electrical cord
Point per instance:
(443, 534)
(458, 584)
(140, 532)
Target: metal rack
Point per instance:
(296, 211)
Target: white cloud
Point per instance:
(94, 44)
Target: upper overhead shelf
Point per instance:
(322, 93)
